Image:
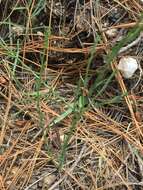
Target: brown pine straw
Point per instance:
(122, 84)
(100, 146)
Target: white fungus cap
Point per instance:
(127, 66)
(111, 33)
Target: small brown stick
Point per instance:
(121, 26)
(6, 116)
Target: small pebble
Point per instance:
(40, 33)
(18, 30)
(48, 180)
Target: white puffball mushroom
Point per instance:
(127, 66)
(111, 33)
